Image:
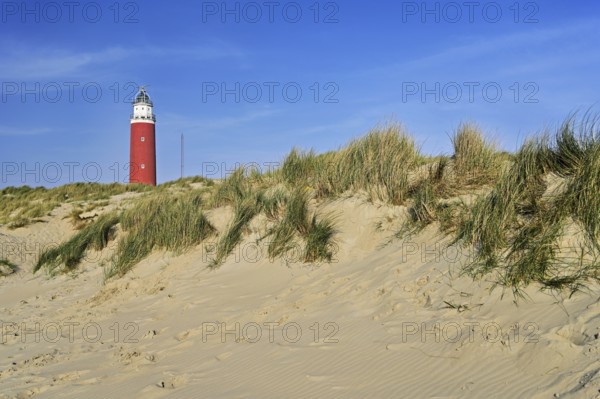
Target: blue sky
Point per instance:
(247, 81)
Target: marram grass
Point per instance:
(518, 231)
(298, 226)
(293, 225)
(162, 222)
(21, 206)
(379, 164)
(70, 253)
(516, 220)
(475, 159)
(7, 267)
(245, 210)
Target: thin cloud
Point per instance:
(27, 63)
(344, 127)
(20, 131)
(197, 53)
(30, 63)
(176, 122)
(530, 39)
(475, 48)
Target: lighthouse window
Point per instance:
(143, 166)
(143, 139)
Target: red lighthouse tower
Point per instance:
(142, 158)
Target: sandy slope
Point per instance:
(392, 321)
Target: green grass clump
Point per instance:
(379, 163)
(475, 159)
(273, 202)
(93, 191)
(283, 237)
(582, 195)
(576, 157)
(426, 206)
(161, 221)
(534, 251)
(20, 221)
(21, 206)
(185, 182)
(517, 229)
(570, 147)
(298, 226)
(7, 268)
(307, 169)
(244, 211)
(423, 212)
(238, 191)
(70, 254)
(75, 216)
(235, 189)
(301, 167)
(494, 216)
(319, 243)
(293, 224)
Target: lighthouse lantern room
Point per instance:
(142, 160)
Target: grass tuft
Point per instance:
(518, 231)
(379, 164)
(244, 211)
(161, 221)
(21, 206)
(319, 240)
(7, 268)
(475, 159)
(298, 226)
(70, 254)
(232, 190)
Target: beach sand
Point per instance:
(383, 320)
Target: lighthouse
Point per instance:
(142, 156)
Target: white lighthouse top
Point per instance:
(142, 108)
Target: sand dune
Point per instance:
(382, 320)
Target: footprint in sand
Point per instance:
(395, 347)
(173, 382)
(69, 376)
(25, 394)
(151, 334)
(129, 357)
(577, 335)
(31, 392)
(151, 357)
(224, 356)
(182, 336)
(90, 381)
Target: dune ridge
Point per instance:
(364, 293)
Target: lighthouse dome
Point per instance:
(142, 108)
(142, 97)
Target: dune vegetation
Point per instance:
(21, 206)
(530, 217)
(6, 267)
(519, 226)
(70, 253)
(172, 222)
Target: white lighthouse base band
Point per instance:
(143, 121)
